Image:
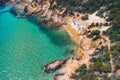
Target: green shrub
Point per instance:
(95, 32)
(97, 66)
(86, 17)
(106, 68)
(97, 24)
(117, 66)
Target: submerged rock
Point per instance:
(41, 22)
(18, 9)
(14, 11)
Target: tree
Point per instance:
(95, 32)
(106, 68)
(97, 66)
(106, 24)
(86, 17)
(90, 76)
(92, 25)
(95, 59)
(97, 24)
(117, 66)
(83, 66)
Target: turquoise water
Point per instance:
(25, 48)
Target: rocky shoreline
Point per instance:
(26, 8)
(65, 67)
(57, 64)
(55, 18)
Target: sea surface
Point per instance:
(25, 48)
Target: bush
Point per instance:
(74, 76)
(86, 17)
(83, 66)
(117, 66)
(91, 25)
(95, 59)
(97, 24)
(106, 24)
(106, 68)
(97, 66)
(106, 59)
(95, 32)
(90, 76)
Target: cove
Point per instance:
(25, 48)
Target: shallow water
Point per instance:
(25, 48)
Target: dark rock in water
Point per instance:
(2, 5)
(72, 51)
(14, 11)
(42, 22)
(29, 13)
(53, 66)
(26, 9)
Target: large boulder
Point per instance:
(53, 66)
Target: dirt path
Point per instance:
(112, 65)
(111, 59)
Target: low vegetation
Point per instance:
(95, 35)
(100, 65)
(86, 17)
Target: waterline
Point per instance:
(25, 48)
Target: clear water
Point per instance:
(25, 48)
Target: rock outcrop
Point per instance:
(67, 69)
(53, 66)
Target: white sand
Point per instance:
(104, 28)
(95, 19)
